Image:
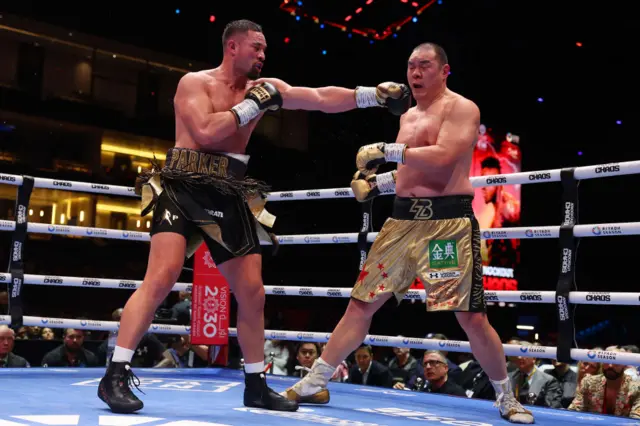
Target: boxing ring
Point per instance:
(177, 397)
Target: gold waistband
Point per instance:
(205, 163)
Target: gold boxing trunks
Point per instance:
(435, 239)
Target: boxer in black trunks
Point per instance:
(202, 193)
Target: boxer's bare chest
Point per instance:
(223, 98)
(418, 128)
(421, 127)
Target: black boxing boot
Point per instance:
(114, 388)
(258, 395)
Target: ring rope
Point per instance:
(540, 297)
(546, 352)
(563, 353)
(533, 232)
(521, 178)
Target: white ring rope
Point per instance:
(545, 352)
(522, 178)
(532, 232)
(548, 297)
(586, 172)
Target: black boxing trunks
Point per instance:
(435, 239)
(205, 196)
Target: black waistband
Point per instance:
(205, 163)
(433, 208)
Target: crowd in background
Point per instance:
(603, 388)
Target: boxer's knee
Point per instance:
(244, 275)
(360, 309)
(159, 281)
(250, 295)
(472, 322)
(166, 258)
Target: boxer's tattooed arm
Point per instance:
(456, 138)
(330, 99)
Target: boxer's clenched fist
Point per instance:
(370, 157)
(367, 187)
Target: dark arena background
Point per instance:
(86, 95)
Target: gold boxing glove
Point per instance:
(371, 156)
(394, 96)
(367, 187)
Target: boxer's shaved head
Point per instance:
(440, 54)
(427, 71)
(241, 26)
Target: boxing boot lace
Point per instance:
(115, 390)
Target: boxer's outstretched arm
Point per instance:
(395, 97)
(330, 99)
(457, 136)
(193, 106)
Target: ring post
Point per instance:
(567, 243)
(16, 264)
(365, 228)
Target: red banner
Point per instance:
(209, 302)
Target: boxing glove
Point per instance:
(370, 157)
(367, 187)
(257, 99)
(394, 96)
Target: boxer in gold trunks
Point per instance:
(432, 232)
(202, 194)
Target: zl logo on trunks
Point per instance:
(443, 254)
(422, 208)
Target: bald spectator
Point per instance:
(417, 374)
(7, 358)
(454, 370)
(436, 369)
